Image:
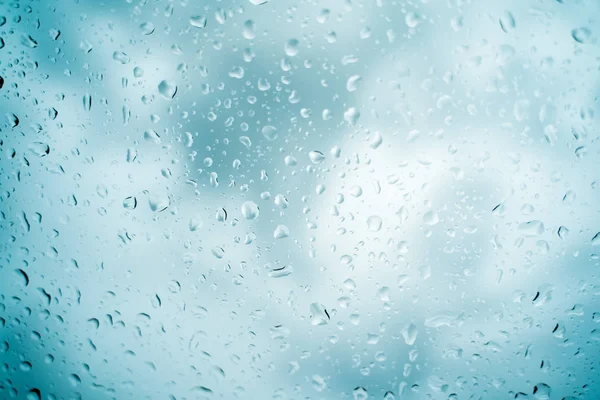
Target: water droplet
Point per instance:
(130, 203)
(409, 333)
(167, 89)
(352, 115)
(221, 215)
(356, 191)
(390, 396)
(218, 252)
(352, 83)
(237, 72)
(74, 380)
(131, 155)
(290, 161)
(159, 202)
(151, 135)
(374, 223)
(263, 85)
(196, 223)
(245, 140)
(269, 132)
(542, 391)
(121, 57)
(250, 210)
(431, 218)
(507, 21)
(34, 394)
(291, 47)
(39, 149)
(281, 201)
(360, 393)
(28, 41)
(147, 28)
(280, 272)
(318, 314)
(376, 140)
(198, 21)
(531, 228)
(87, 102)
(412, 19)
(22, 277)
(318, 383)
(581, 35)
(281, 232)
(249, 30)
(316, 157)
(563, 232)
(569, 197)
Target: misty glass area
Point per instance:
(299, 199)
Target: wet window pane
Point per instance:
(338, 199)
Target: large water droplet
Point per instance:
(374, 223)
(316, 157)
(167, 89)
(281, 232)
(352, 115)
(198, 21)
(250, 210)
(280, 272)
(352, 83)
(581, 35)
(147, 28)
(269, 132)
(121, 57)
(531, 228)
(318, 314)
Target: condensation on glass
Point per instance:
(337, 199)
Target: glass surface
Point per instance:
(299, 199)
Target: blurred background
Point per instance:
(366, 199)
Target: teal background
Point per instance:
(488, 114)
